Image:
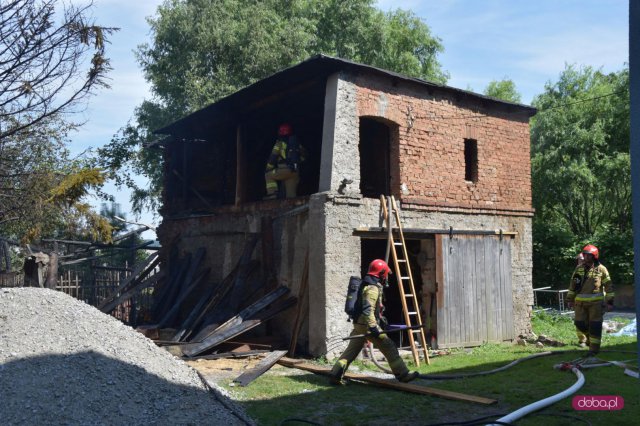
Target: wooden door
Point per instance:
(475, 300)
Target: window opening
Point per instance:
(471, 160)
(375, 173)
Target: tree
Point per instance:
(504, 89)
(49, 69)
(43, 72)
(581, 167)
(204, 50)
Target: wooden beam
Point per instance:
(386, 383)
(265, 364)
(243, 354)
(140, 271)
(133, 290)
(251, 310)
(418, 233)
(302, 307)
(217, 338)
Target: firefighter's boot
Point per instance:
(409, 376)
(337, 372)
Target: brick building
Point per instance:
(457, 162)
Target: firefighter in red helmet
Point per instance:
(367, 323)
(284, 163)
(590, 293)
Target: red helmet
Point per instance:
(591, 249)
(285, 129)
(379, 268)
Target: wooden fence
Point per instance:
(94, 286)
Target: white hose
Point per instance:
(544, 402)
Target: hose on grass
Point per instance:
(496, 370)
(510, 418)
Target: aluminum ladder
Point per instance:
(408, 296)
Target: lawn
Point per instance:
(278, 397)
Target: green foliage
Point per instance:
(53, 60)
(204, 50)
(504, 89)
(44, 190)
(581, 174)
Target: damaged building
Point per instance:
(458, 164)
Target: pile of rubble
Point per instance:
(540, 341)
(64, 362)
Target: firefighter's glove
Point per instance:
(570, 305)
(374, 331)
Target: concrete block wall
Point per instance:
(342, 214)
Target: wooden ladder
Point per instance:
(404, 278)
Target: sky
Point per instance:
(529, 42)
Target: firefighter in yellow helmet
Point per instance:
(284, 163)
(367, 323)
(590, 293)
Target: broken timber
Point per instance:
(132, 291)
(229, 333)
(140, 272)
(265, 364)
(393, 384)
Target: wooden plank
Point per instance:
(491, 257)
(186, 325)
(217, 338)
(239, 290)
(302, 307)
(232, 354)
(251, 310)
(132, 291)
(140, 271)
(170, 315)
(392, 383)
(470, 284)
(265, 364)
(216, 296)
(172, 288)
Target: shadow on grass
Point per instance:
(310, 397)
(89, 388)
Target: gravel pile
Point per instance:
(64, 362)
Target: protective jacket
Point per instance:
(591, 285)
(287, 151)
(371, 302)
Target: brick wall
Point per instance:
(430, 146)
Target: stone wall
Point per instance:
(345, 213)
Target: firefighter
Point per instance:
(284, 163)
(590, 293)
(367, 323)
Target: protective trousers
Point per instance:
(588, 321)
(382, 343)
(284, 174)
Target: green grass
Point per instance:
(273, 397)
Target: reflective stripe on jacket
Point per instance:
(590, 284)
(371, 302)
